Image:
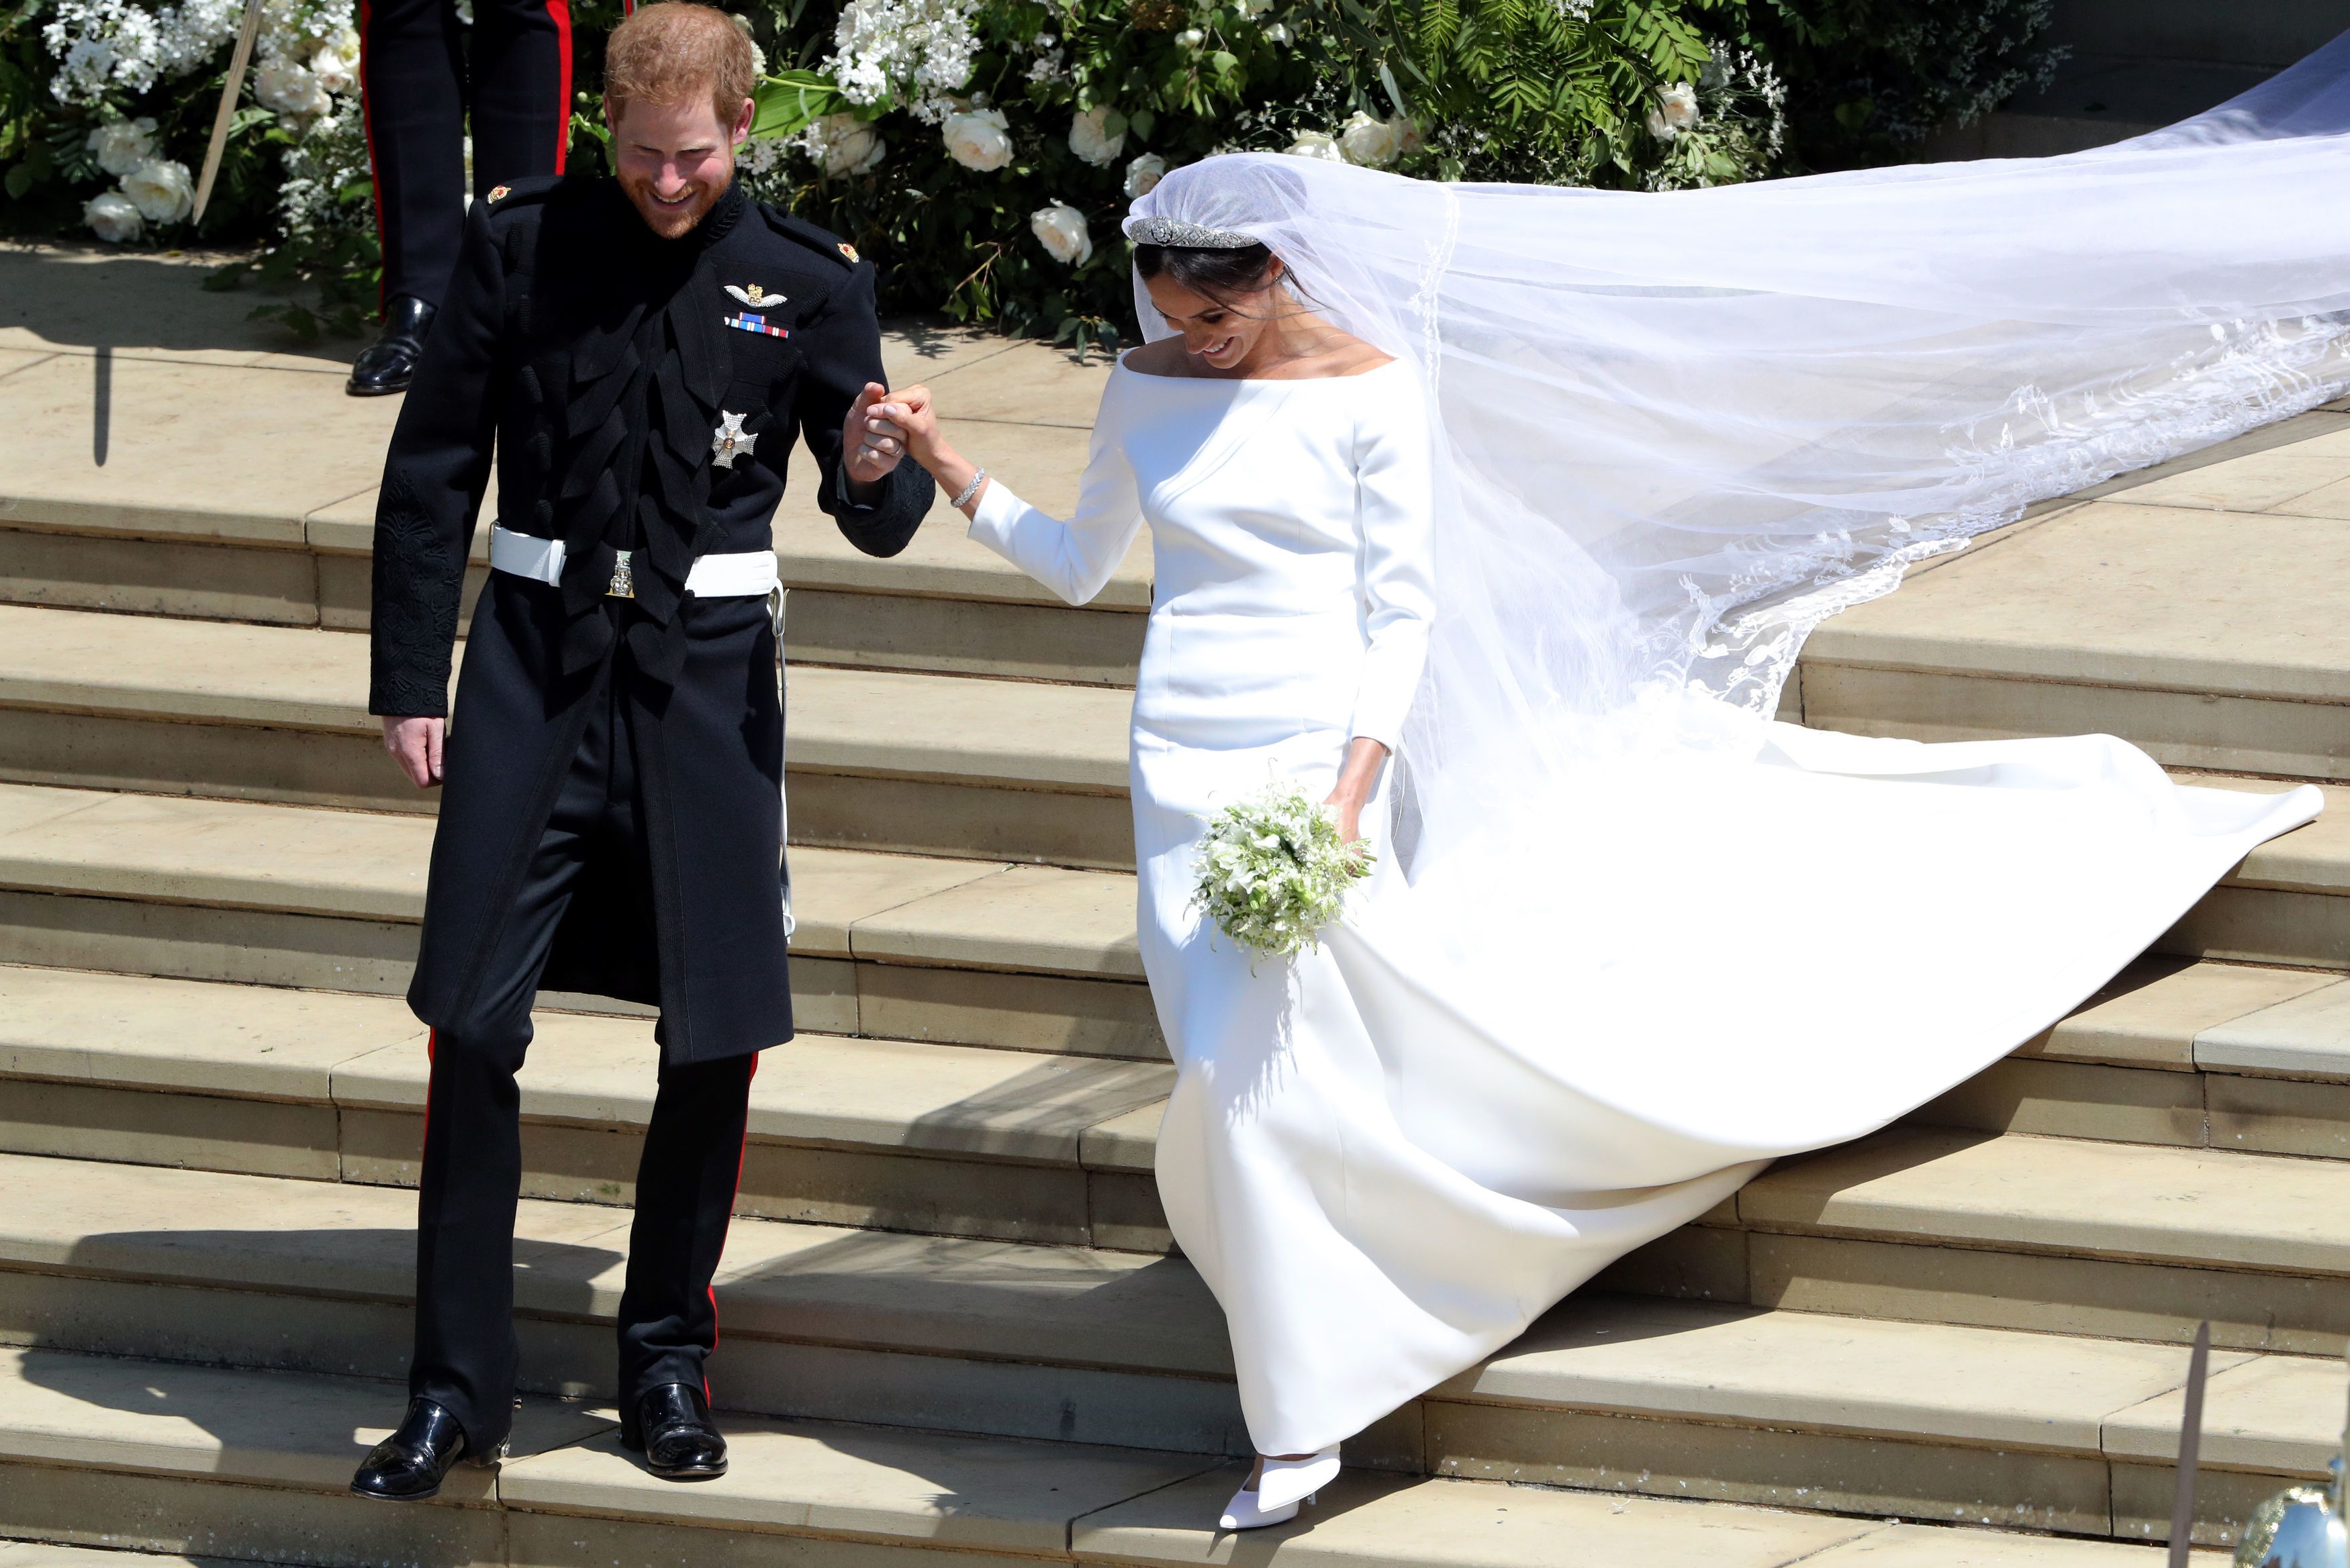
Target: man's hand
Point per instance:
(415, 745)
(871, 444)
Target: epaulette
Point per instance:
(824, 242)
(524, 191)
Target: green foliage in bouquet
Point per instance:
(1273, 871)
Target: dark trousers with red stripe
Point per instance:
(465, 1356)
(421, 80)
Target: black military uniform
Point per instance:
(611, 815)
(425, 78)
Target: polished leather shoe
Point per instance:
(409, 1465)
(388, 364)
(672, 1430)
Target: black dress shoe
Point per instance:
(409, 1465)
(671, 1428)
(387, 364)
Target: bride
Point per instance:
(1496, 516)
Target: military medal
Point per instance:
(729, 440)
(746, 322)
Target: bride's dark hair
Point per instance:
(1217, 273)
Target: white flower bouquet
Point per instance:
(1273, 871)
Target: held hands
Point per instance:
(1356, 778)
(415, 745)
(909, 422)
(871, 442)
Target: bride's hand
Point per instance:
(1356, 778)
(907, 421)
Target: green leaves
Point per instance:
(789, 100)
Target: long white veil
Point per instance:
(1679, 430)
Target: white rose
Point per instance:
(846, 145)
(1677, 106)
(1099, 135)
(287, 87)
(1373, 143)
(1314, 144)
(1061, 229)
(980, 138)
(1191, 38)
(1143, 175)
(332, 69)
(161, 190)
(1659, 127)
(121, 145)
(111, 217)
(1276, 34)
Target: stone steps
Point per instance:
(170, 1458)
(894, 1135)
(884, 759)
(1893, 1418)
(897, 946)
(966, 951)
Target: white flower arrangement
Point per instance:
(1097, 135)
(111, 217)
(162, 188)
(1273, 871)
(121, 145)
(1375, 143)
(1061, 230)
(1675, 111)
(842, 145)
(979, 138)
(916, 53)
(1143, 174)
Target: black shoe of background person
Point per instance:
(387, 364)
(408, 1465)
(671, 1426)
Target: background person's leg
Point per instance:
(521, 90)
(412, 93)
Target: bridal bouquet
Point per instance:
(1272, 870)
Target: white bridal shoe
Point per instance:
(1284, 1484)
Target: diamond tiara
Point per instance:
(1186, 236)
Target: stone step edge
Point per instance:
(1568, 1361)
(887, 897)
(820, 1481)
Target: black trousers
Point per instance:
(417, 88)
(465, 1351)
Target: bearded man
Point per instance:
(639, 352)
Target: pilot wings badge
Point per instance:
(754, 296)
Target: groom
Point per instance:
(641, 352)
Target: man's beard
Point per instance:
(672, 222)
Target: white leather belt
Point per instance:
(744, 574)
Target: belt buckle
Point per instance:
(624, 578)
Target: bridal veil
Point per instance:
(1679, 430)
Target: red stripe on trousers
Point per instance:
(431, 1063)
(739, 1150)
(560, 11)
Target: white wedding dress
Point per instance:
(1520, 1058)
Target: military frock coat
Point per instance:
(642, 394)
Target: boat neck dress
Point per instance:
(1500, 1072)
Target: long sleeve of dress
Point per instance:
(1395, 499)
(1076, 558)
